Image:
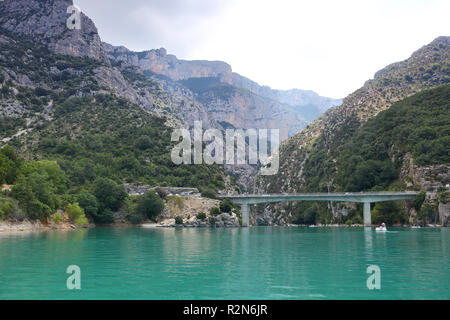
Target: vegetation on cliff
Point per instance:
(372, 157)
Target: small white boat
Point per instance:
(381, 229)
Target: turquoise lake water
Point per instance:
(251, 263)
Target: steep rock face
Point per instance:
(244, 109)
(155, 96)
(428, 178)
(227, 96)
(444, 213)
(301, 99)
(48, 20)
(158, 61)
(44, 23)
(428, 67)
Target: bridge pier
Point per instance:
(244, 212)
(367, 216)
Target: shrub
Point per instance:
(226, 206)
(144, 143)
(57, 218)
(201, 216)
(6, 207)
(178, 220)
(208, 193)
(135, 218)
(74, 211)
(387, 212)
(106, 217)
(357, 219)
(428, 213)
(149, 205)
(214, 211)
(76, 214)
(88, 202)
(81, 221)
(419, 200)
(175, 203)
(40, 92)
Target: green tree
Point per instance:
(388, 212)
(150, 205)
(106, 216)
(51, 170)
(9, 165)
(39, 188)
(419, 200)
(109, 194)
(88, 202)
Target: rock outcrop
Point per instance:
(224, 220)
(159, 62)
(444, 213)
(428, 178)
(138, 190)
(47, 21)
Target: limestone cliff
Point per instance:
(227, 96)
(47, 21)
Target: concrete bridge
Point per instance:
(359, 197)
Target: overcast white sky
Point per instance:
(329, 46)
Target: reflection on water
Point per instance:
(249, 263)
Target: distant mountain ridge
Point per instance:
(260, 107)
(80, 65)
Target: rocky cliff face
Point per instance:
(47, 21)
(158, 61)
(227, 96)
(301, 99)
(241, 108)
(429, 178)
(428, 67)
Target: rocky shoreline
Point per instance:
(24, 226)
(223, 220)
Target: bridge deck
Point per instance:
(344, 197)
